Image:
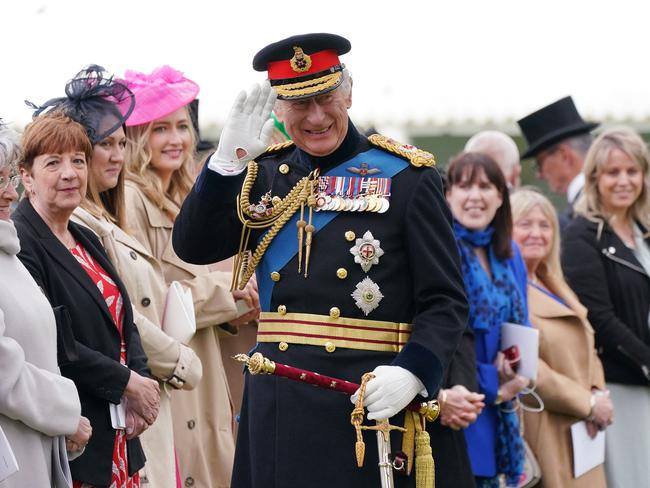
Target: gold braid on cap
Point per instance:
(309, 87)
(417, 157)
(282, 211)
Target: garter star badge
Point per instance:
(366, 251)
(367, 295)
(300, 62)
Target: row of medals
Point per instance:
(360, 202)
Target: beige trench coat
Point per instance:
(568, 369)
(203, 418)
(167, 358)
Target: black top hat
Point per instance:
(551, 124)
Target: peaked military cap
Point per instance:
(551, 124)
(303, 66)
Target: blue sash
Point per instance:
(285, 244)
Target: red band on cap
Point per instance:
(320, 61)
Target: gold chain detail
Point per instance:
(244, 266)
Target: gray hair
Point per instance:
(9, 147)
(580, 143)
(497, 145)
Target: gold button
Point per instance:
(284, 168)
(350, 236)
(275, 276)
(342, 273)
(282, 309)
(276, 200)
(283, 346)
(330, 347)
(335, 313)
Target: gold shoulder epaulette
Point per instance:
(274, 148)
(417, 157)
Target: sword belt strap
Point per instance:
(330, 333)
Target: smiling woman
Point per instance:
(570, 378)
(159, 158)
(494, 277)
(106, 360)
(606, 258)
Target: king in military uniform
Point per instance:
(357, 268)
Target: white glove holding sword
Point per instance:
(390, 391)
(247, 131)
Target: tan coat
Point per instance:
(144, 281)
(203, 418)
(568, 369)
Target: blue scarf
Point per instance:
(492, 302)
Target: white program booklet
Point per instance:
(587, 452)
(8, 463)
(179, 320)
(118, 414)
(527, 340)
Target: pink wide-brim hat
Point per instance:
(158, 94)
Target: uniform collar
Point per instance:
(352, 144)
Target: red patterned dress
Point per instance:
(111, 293)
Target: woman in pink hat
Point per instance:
(160, 157)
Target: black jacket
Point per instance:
(615, 288)
(289, 431)
(97, 372)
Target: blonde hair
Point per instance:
(630, 143)
(549, 270)
(140, 171)
(108, 204)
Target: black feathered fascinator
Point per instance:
(95, 100)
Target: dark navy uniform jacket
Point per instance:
(291, 434)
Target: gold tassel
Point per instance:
(301, 229)
(424, 465)
(408, 440)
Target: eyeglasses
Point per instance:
(5, 181)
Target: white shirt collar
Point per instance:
(575, 187)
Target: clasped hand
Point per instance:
(461, 407)
(143, 403)
(602, 415)
(79, 439)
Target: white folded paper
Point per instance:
(118, 414)
(527, 340)
(8, 463)
(587, 452)
(179, 320)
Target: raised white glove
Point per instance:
(392, 389)
(247, 131)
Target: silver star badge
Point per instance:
(367, 295)
(366, 251)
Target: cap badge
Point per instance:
(300, 62)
